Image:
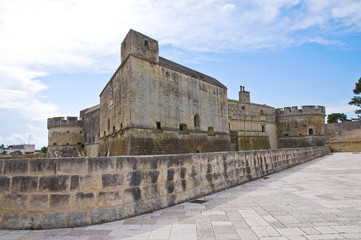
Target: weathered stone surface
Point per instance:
(72, 165)
(38, 202)
(90, 182)
(24, 184)
(16, 166)
(135, 178)
(84, 200)
(42, 166)
(143, 207)
(10, 221)
(58, 183)
(1, 167)
(112, 180)
(54, 220)
(110, 198)
(132, 195)
(170, 174)
(151, 177)
(59, 202)
(14, 202)
(100, 215)
(58, 193)
(30, 221)
(119, 212)
(101, 165)
(77, 219)
(4, 184)
(150, 191)
(74, 182)
(126, 164)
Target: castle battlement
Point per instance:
(304, 110)
(62, 122)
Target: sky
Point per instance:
(56, 56)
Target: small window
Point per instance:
(286, 134)
(263, 128)
(262, 112)
(108, 125)
(146, 43)
(196, 120)
(158, 125)
(310, 131)
(113, 129)
(54, 144)
(105, 133)
(79, 143)
(121, 126)
(67, 143)
(210, 130)
(183, 127)
(243, 107)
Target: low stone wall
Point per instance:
(72, 192)
(343, 137)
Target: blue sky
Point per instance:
(56, 56)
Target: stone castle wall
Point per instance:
(302, 127)
(154, 106)
(72, 192)
(344, 137)
(65, 137)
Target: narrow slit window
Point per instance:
(158, 125)
(196, 120)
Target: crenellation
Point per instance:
(291, 111)
(62, 122)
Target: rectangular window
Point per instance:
(158, 125)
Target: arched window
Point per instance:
(263, 128)
(183, 127)
(196, 120)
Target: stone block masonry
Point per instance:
(73, 192)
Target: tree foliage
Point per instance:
(356, 100)
(44, 150)
(337, 117)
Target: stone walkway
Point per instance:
(320, 199)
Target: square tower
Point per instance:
(139, 45)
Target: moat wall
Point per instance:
(72, 192)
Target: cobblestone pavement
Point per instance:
(320, 199)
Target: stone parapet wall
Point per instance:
(72, 192)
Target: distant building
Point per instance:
(23, 148)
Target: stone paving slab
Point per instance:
(320, 199)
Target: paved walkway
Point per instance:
(320, 199)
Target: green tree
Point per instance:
(356, 100)
(44, 150)
(337, 117)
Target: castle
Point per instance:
(152, 105)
